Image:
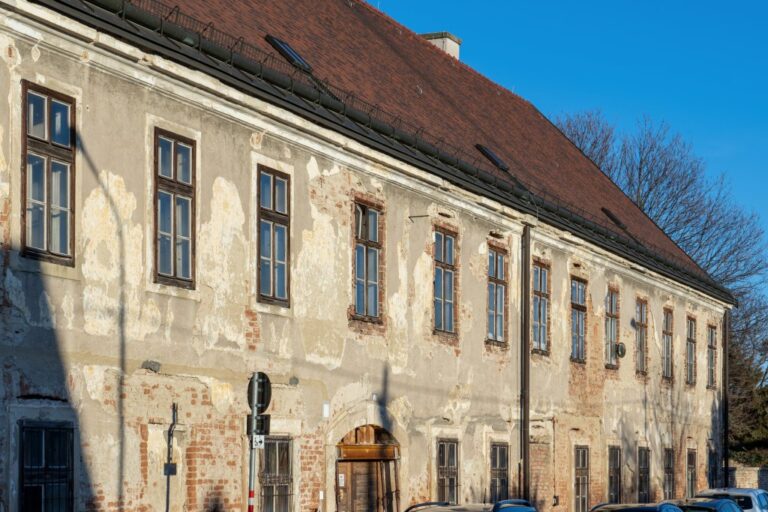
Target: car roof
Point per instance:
(478, 507)
(701, 502)
(730, 490)
(633, 507)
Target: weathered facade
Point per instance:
(84, 328)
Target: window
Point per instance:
(448, 471)
(175, 209)
(274, 225)
(712, 469)
(49, 175)
(669, 473)
(641, 336)
(690, 352)
(666, 349)
(275, 475)
(47, 472)
(540, 307)
(611, 327)
(614, 474)
(711, 355)
(578, 319)
(367, 252)
(499, 472)
(581, 482)
(691, 475)
(643, 475)
(497, 292)
(445, 271)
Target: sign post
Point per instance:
(259, 396)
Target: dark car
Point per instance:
(512, 505)
(706, 505)
(635, 507)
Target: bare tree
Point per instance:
(594, 136)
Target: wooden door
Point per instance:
(366, 486)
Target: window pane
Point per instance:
(500, 266)
(500, 307)
(492, 264)
(265, 239)
(281, 203)
(359, 297)
(164, 255)
(265, 263)
(280, 242)
(449, 285)
(281, 284)
(59, 184)
(164, 214)
(59, 235)
(360, 261)
(183, 163)
(448, 326)
(165, 157)
(183, 258)
(358, 221)
(183, 216)
(438, 283)
(449, 250)
(36, 115)
(265, 191)
(438, 246)
(373, 266)
(36, 177)
(56, 449)
(373, 300)
(60, 128)
(492, 297)
(438, 314)
(373, 225)
(33, 448)
(36, 226)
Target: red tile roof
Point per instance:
(350, 44)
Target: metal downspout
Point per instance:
(525, 362)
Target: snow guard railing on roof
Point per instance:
(176, 25)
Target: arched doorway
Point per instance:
(366, 471)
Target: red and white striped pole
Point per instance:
(252, 440)
(250, 500)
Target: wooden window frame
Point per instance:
(499, 474)
(443, 471)
(368, 244)
(641, 334)
(581, 479)
(690, 345)
(543, 295)
(643, 475)
(454, 268)
(579, 308)
(276, 218)
(175, 187)
(276, 480)
(667, 333)
(711, 356)
(668, 484)
(496, 281)
(49, 150)
(612, 362)
(614, 474)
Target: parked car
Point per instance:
(635, 507)
(706, 505)
(750, 500)
(511, 505)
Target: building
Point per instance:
(438, 283)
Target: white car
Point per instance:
(750, 500)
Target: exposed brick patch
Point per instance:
(312, 470)
(253, 333)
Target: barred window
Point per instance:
(541, 307)
(690, 352)
(641, 336)
(49, 175)
(713, 470)
(578, 319)
(275, 475)
(175, 209)
(499, 472)
(691, 474)
(497, 290)
(711, 355)
(666, 339)
(669, 473)
(47, 471)
(581, 482)
(611, 327)
(445, 272)
(448, 470)
(614, 474)
(274, 233)
(367, 252)
(643, 475)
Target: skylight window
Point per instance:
(289, 53)
(614, 218)
(493, 157)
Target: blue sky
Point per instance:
(702, 66)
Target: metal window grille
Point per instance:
(448, 471)
(275, 475)
(581, 481)
(669, 473)
(47, 472)
(499, 472)
(614, 474)
(643, 475)
(691, 474)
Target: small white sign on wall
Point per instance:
(341, 479)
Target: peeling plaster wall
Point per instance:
(74, 338)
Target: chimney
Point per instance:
(446, 41)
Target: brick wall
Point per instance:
(312, 470)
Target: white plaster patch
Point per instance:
(68, 309)
(35, 53)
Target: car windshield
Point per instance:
(763, 499)
(745, 502)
